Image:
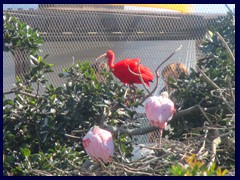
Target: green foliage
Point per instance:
(18, 35)
(194, 167)
(218, 66)
(123, 144)
(59, 160)
(34, 123)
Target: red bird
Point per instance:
(126, 70)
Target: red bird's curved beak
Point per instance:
(103, 55)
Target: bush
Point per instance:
(211, 86)
(42, 131)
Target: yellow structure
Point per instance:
(185, 8)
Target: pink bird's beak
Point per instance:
(103, 55)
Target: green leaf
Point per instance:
(25, 151)
(8, 102)
(53, 97)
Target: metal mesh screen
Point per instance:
(86, 31)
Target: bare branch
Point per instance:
(229, 9)
(215, 143)
(204, 143)
(227, 47)
(205, 115)
(132, 170)
(71, 136)
(133, 72)
(145, 130)
(140, 76)
(142, 79)
(21, 92)
(207, 78)
(180, 47)
(231, 91)
(221, 96)
(157, 75)
(37, 90)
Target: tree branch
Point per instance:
(21, 92)
(145, 130)
(71, 136)
(226, 46)
(157, 74)
(207, 78)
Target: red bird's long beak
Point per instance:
(103, 55)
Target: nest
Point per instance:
(156, 164)
(173, 152)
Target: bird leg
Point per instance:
(125, 94)
(134, 92)
(160, 140)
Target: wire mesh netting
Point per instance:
(83, 32)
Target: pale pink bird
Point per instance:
(98, 143)
(159, 111)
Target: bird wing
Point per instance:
(159, 110)
(146, 73)
(127, 71)
(94, 146)
(107, 147)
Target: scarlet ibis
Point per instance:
(159, 111)
(98, 143)
(127, 70)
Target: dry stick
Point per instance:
(140, 76)
(130, 170)
(71, 136)
(215, 142)
(157, 74)
(144, 161)
(215, 86)
(225, 100)
(79, 131)
(144, 85)
(104, 167)
(205, 115)
(229, 9)
(21, 92)
(231, 91)
(222, 98)
(184, 155)
(103, 117)
(227, 47)
(40, 172)
(203, 145)
(207, 78)
(37, 90)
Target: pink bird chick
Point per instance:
(98, 144)
(159, 111)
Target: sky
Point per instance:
(198, 8)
